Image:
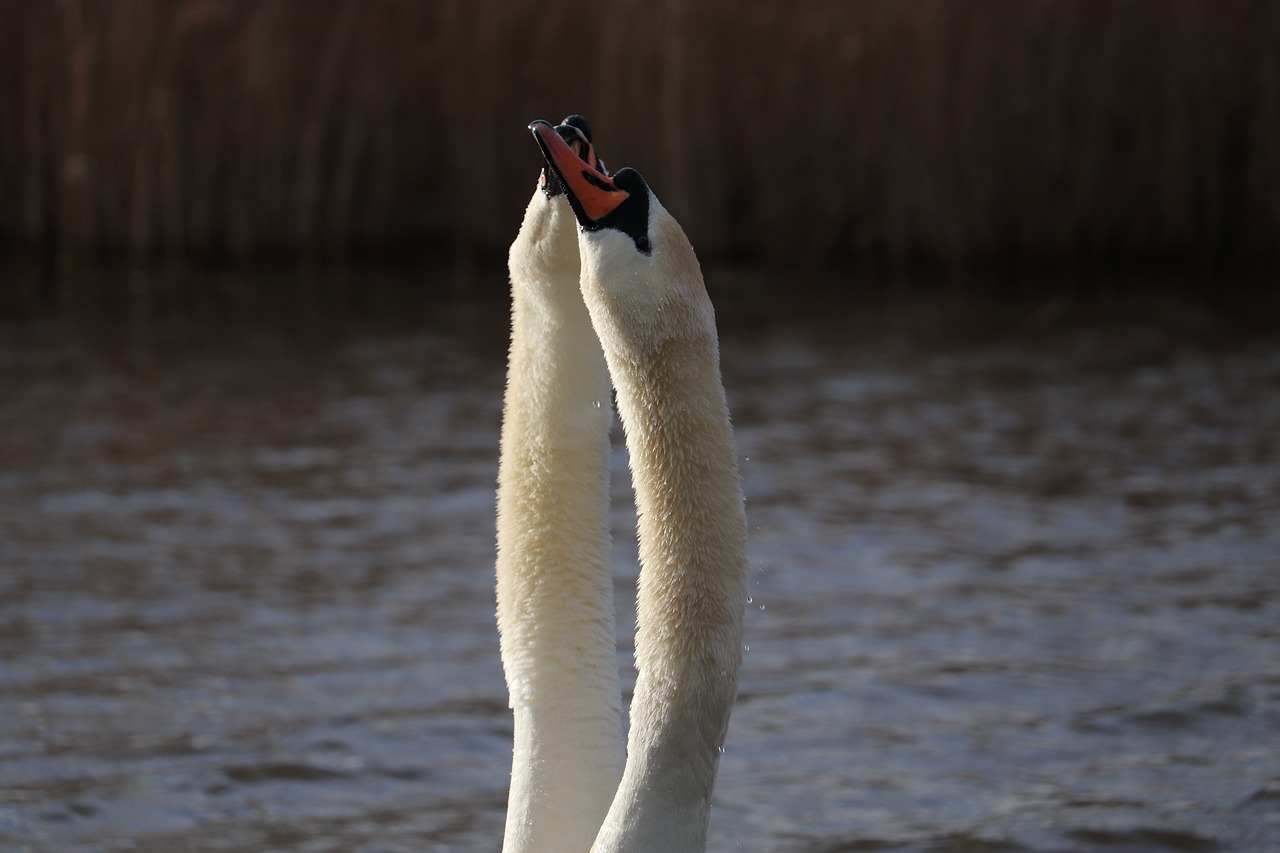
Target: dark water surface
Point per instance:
(1015, 582)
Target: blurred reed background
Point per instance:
(912, 134)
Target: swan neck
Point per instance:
(664, 360)
(554, 591)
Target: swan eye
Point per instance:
(643, 246)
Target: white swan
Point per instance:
(555, 594)
(643, 288)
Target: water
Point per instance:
(1014, 582)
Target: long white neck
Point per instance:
(555, 594)
(658, 332)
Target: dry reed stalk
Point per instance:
(945, 133)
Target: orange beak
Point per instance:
(596, 194)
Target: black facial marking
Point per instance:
(632, 216)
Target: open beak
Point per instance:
(593, 194)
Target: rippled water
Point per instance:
(1014, 583)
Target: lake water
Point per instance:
(1015, 579)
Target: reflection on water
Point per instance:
(1014, 585)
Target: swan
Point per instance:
(643, 290)
(554, 590)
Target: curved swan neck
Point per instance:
(555, 594)
(657, 328)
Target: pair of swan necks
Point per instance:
(594, 313)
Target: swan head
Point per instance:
(600, 202)
(575, 131)
(637, 262)
(546, 250)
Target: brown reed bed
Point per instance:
(937, 132)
